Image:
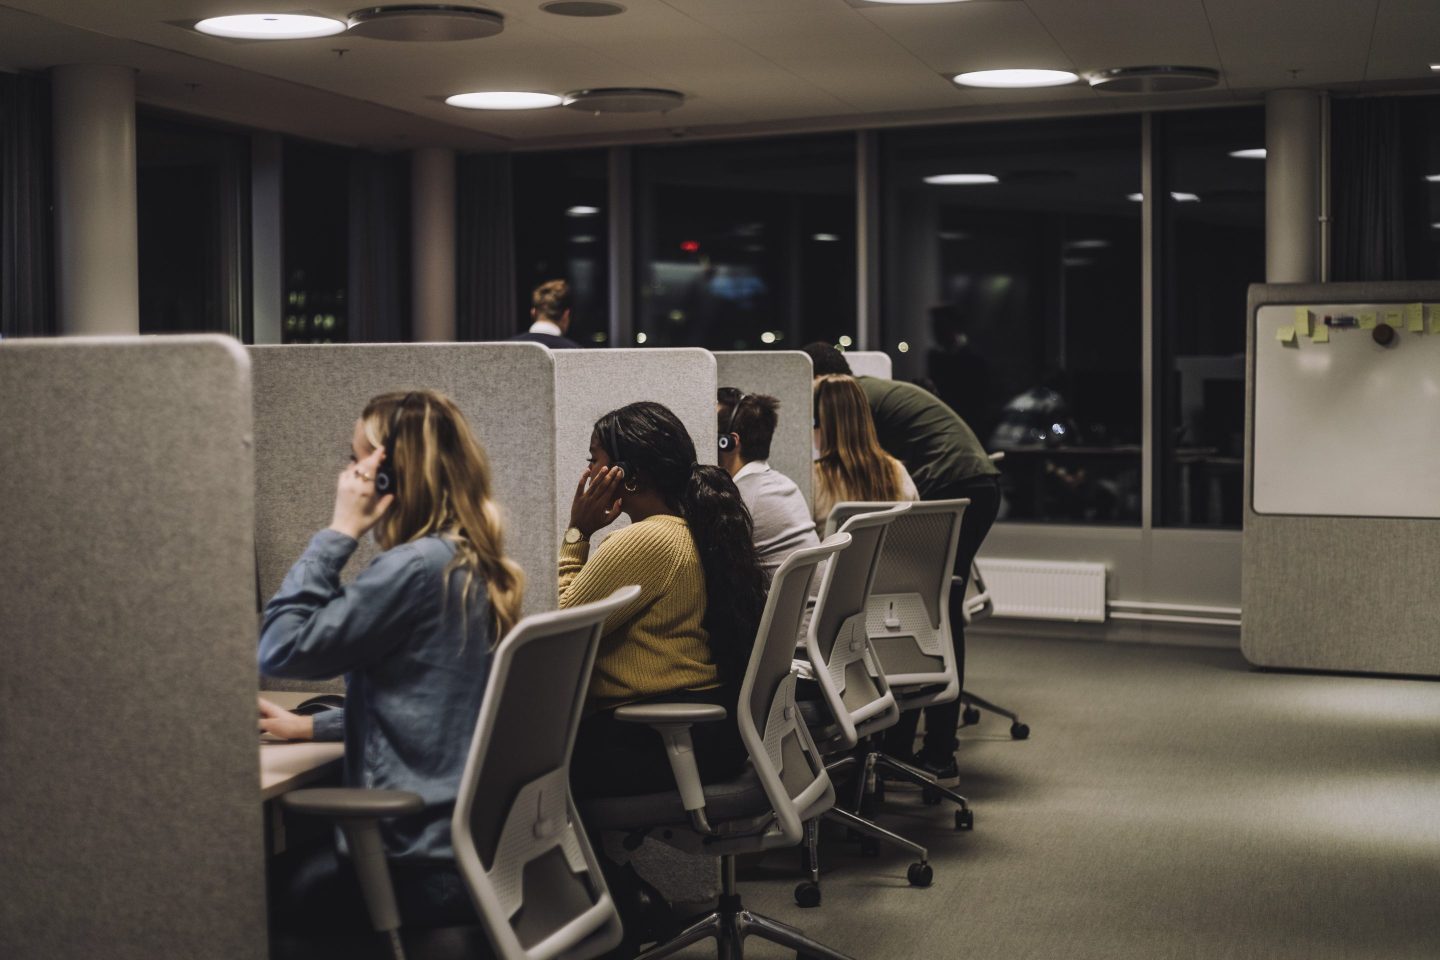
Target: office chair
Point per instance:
(518, 841)
(908, 621)
(855, 699)
(767, 806)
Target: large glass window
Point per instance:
(1012, 278)
(562, 232)
(193, 223)
(746, 245)
(317, 246)
(1421, 120)
(1210, 168)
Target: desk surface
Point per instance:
(286, 766)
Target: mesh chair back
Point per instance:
(784, 756)
(518, 840)
(908, 618)
(837, 641)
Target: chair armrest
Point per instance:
(349, 803)
(673, 721)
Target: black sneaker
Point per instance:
(945, 770)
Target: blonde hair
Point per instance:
(444, 488)
(852, 465)
(551, 299)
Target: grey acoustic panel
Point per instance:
(307, 399)
(130, 815)
(870, 363)
(1337, 593)
(591, 383)
(785, 375)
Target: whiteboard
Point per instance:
(1346, 428)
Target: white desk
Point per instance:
(286, 766)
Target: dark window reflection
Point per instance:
(316, 236)
(1212, 221)
(743, 246)
(1018, 300)
(562, 229)
(1421, 120)
(192, 204)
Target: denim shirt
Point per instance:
(414, 676)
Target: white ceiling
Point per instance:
(747, 66)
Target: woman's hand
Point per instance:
(596, 504)
(282, 723)
(356, 508)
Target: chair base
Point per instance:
(971, 714)
(731, 924)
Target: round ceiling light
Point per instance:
(1015, 79)
(1249, 153)
(582, 8)
(1153, 79)
(582, 211)
(270, 26)
(958, 179)
(503, 100)
(624, 100)
(425, 21)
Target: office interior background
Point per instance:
(1096, 271)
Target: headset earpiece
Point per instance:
(612, 450)
(387, 481)
(728, 436)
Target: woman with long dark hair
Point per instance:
(687, 637)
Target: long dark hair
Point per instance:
(661, 455)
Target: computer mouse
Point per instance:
(326, 701)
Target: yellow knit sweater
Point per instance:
(656, 643)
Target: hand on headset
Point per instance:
(597, 501)
(356, 507)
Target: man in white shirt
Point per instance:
(783, 524)
(550, 316)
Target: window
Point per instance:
(562, 224)
(1012, 277)
(1212, 247)
(748, 245)
(1421, 117)
(316, 232)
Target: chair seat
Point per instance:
(822, 725)
(918, 692)
(737, 799)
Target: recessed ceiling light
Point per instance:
(584, 238)
(582, 211)
(1250, 153)
(1181, 197)
(825, 237)
(624, 100)
(1153, 79)
(1435, 66)
(954, 179)
(582, 8)
(503, 100)
(954, 235)
(1013, 79)
(1095, 244)
(270, 26)
(416, 22)
(1433, 177)
(1137, 197)
(1077, 261)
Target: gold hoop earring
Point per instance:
(630, 486)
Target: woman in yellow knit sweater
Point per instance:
(689, 541)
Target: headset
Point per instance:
(609, 442)
(386, 480)
(725, 443)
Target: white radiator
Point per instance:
(1043, 590)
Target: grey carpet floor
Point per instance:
(1170, 803)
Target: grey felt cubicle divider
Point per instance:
(591, 383)
(870, 363)
(130, 814)
(1346, 593)
(307, 399)
(785, 375)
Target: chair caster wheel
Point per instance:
(930, 796)
(870, 847)
(807, 894)
(964, 820)
(970, 716)
(1019, 731)
(920, 875)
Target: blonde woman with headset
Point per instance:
(850, 464)
(412, 633)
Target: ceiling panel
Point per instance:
(1407, 41)
(971, 36)
(1261, 43)
(1101, 34)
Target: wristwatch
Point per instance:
(573, 535)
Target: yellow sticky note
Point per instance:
(1367, 321)
(1434, 310)
(1415, 317)
(1302, 321)
(1392, 318)
(1285, 334)
(1322, 333)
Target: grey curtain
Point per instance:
(485, 254)
(1369, 190)
(379, 269)
(27, 288)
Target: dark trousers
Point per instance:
(941, 720)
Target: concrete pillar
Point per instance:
(267, 236)
(432, 244)
(1293, 153)
(97, 263)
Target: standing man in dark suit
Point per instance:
(550, 316)
(947, 462)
